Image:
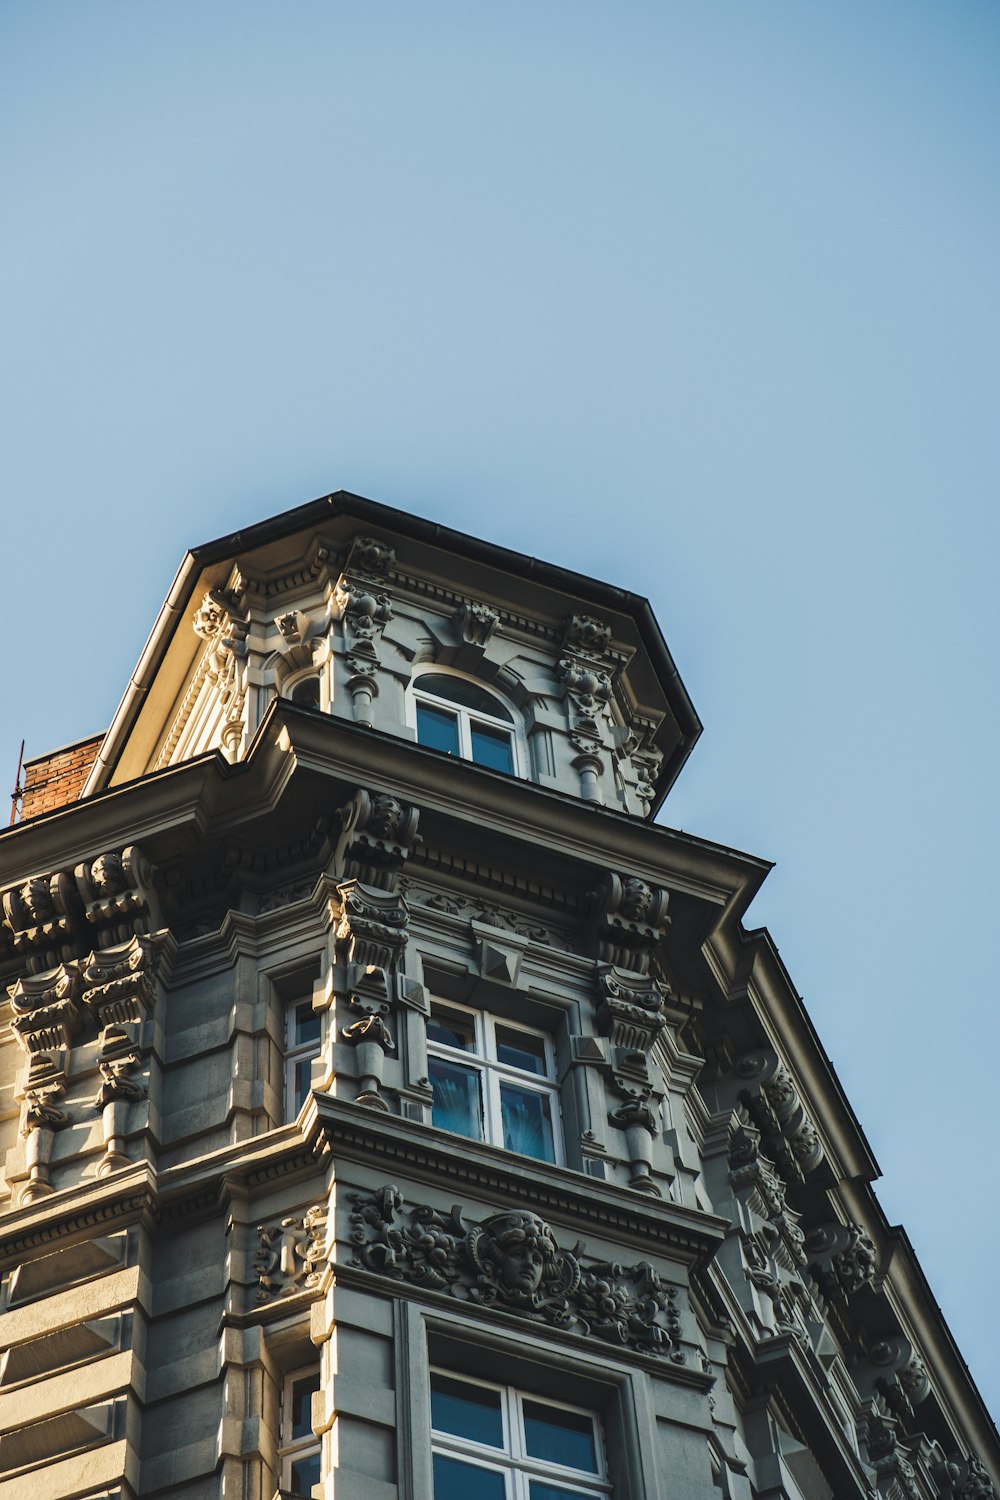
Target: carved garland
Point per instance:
(512, 1262)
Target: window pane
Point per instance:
(519, 1050)
(456, 1098)
(305, 1473)
(437, 729)
(467, 694)
(306, 1027)
(302, 1394)
(492, 747)
(527, 1122)
(560, 1437)
(468, 1411)
(454, 1480)
(452, 1029)
(540, 1490)
(307, 692)
(303, 1081)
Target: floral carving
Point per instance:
(842, 1258)
(512, 1262)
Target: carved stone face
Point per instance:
(107, 874)
(636, 898)
(522, 1251)
(522, 1268)
(37, 901)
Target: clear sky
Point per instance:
(697, 297)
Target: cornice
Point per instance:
(420, 1154)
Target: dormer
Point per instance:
(350, 609)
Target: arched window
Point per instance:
(306, 691)
(458, 716)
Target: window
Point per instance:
(493, 1081)
(306, 691)
(461, 718)
(299, 1460)
(496, 1443)
(302, 1044)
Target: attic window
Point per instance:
(457, 715)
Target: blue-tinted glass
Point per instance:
(302, 1394)
(452, 1030)
(305, 1473)
(492, 747)
(539, 1490)
(527, 1122)
(468, 694)
(560, 1437)
(454, 1480)
(306, 1024)
(519, 1050)
(437, 728)
(303, 1081)
(467, 1411)
(456, 1098)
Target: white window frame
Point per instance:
(513, 1461)
(492, 1071)
(316, 674)
(295, 1053)
(466, 716)
(291, 1449)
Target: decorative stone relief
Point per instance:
(894, 1372)
(476, 623)
(42, 1117)
(291, 1255)
(372, 933)
(889, 1457)
(790, 1137)
(768, 1268)
(116, 890)
(630, 918)
(118, 1059)
(377, 833)
(512, 1262)
(365, 609)
(586, 681)
(489, 914)
(842, 1259)
(753, 1177)
(54, 918)
(963, 1479)
(586, 635)
(109, 985)
(42, 918)
(221, 621)
(630, 1010)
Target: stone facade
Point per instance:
(351, 1090)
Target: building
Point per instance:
(392, 1110)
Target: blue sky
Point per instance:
(700, 298)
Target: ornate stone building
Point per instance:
(392, 1110)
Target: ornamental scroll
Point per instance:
(512, 1262)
